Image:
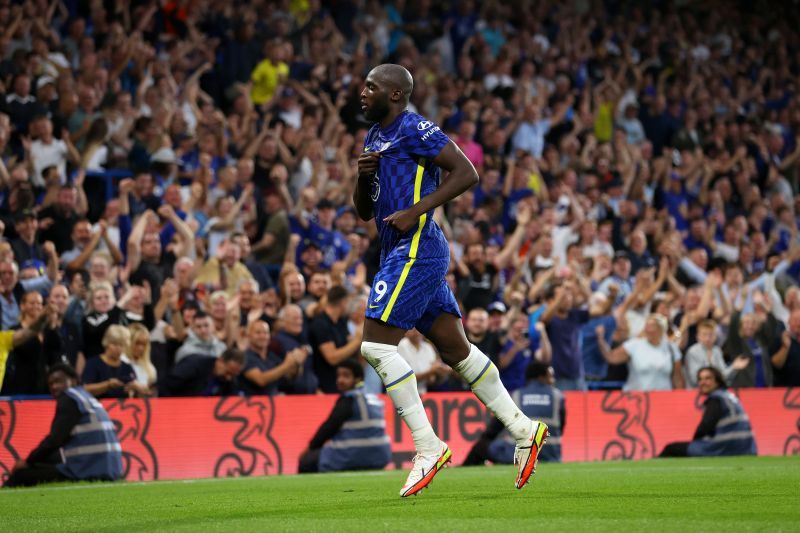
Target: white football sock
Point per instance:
(401, 386)
(484, 380)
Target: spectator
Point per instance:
(330, 340)
(201, 375)
(725, 428)
(338, 445)
(138, 356)
(786, 360)
(47, 151)
(27, 362)
(706, 354)
(263, 369)
(224, 272)
(108, 376)
(290, 335)
(75, 407)
(423, 360)
(563, 320)
(86, 242)
(57, 220)
(654, 363)
(25, 245)
(11, 339)
(68, 330)
(103, 311)
(477, 330)
(589, 151)
(12, 288)
(201, 339)
(757, 343)
(516, 355)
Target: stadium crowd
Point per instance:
(176, 181)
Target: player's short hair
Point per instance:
(353, 366)
(718, 377)
(536, 370)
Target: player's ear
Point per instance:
(397, 95)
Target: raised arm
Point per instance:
(135, 240)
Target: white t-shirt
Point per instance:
(139, 370)
(420, 359)
(98, 160)
(45, 155)
(650, 367)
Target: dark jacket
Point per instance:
(766, 337)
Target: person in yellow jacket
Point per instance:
(269, 73)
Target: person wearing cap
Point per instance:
(25, 245)
(320, 230)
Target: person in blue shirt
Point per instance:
(400, 184)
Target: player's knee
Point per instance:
(376, 353)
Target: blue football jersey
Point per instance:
(406, 173)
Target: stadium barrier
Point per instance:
(175, 438)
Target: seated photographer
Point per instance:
(724, 429)
(354, 435)
(82, 444)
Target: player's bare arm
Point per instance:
(461, 176)
(367, 167)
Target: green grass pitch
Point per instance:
(731, 494)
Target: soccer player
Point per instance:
(398, 184)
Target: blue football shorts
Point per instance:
(411, 293)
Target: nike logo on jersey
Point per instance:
(373, 306)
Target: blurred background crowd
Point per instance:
(176, 180)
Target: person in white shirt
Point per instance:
(138, 356)
(422, 357)
(705, 353)
(48, 151)
(654, 363)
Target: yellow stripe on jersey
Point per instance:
(412, 252)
